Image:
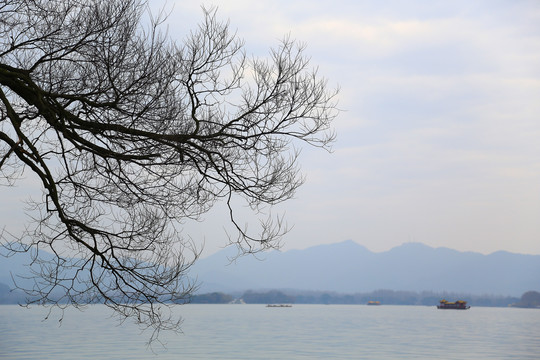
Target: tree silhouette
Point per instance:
(130, 134)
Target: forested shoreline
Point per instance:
(385, 297)
(530, 299)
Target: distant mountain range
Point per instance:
(348, 267)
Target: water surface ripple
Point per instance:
(299, 332)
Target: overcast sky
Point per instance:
(439, 138)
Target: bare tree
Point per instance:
(130, 134)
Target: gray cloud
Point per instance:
(439, 140)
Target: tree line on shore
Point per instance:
(530, 299)
(386, 297)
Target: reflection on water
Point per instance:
(258, 332)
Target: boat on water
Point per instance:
(456, 305)
(278, 305)
(374, 303)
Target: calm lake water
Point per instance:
(299, 332)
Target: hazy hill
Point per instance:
(15, 268)
(348, 267)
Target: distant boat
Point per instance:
(457, 305)
(374, 303)
(279, 305)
